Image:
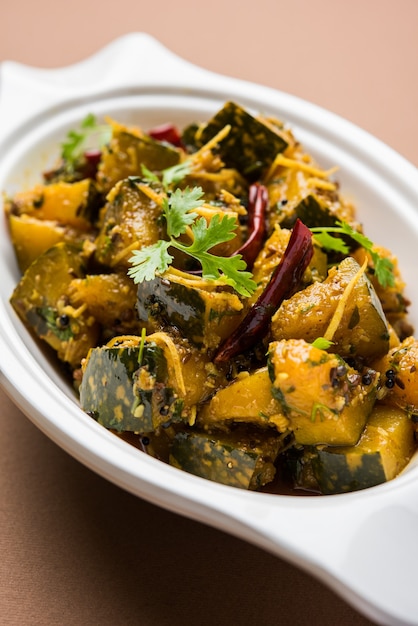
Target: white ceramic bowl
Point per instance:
(363, 545)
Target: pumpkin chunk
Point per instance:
(362, 329)
(326, 401)
(140, 384)
(248, 399)
(42, 301)
(129, 221)
(251, 143)
(128, 151)
(384, 449)
(203, 314)
(246, 462)
(74, 204)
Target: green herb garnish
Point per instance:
(322, 343)
(322, 410)
(383, 267)
(170, 176)
(175, 174)
(142, 346)
(179, 216)
(178, 210)
(51, 318)
(147, 176)
(90, 135)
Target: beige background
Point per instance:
(74, 549)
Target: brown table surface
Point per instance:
(75, 549)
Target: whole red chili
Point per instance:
(92, 160)
(258, 201)
(283, 282)
(166, 132)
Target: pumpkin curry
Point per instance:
(217, 304)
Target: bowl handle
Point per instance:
(133, 60)
(362, 545)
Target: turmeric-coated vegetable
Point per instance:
(325, 400)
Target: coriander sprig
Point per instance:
(90, 134)
(383, 267)
(170, 176)
(178, 210)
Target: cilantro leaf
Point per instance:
(178, 209)
(229, 269)
(90, 135)
(383, 267)
(71, 146)
(233, 272)
(325, 240)
(148, 176)
(175, 174)
(170, 176)
(89, 121)
(361, 239)
(217, 231)
(149, 261)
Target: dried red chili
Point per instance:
(92, 160)
(258, 201)
(166, 132)
(283, 282)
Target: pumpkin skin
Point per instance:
(125, 396)
(106, 390)
(251, 144)
(204, 315)
(242, 461)
(132, 384)
(128, 221)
